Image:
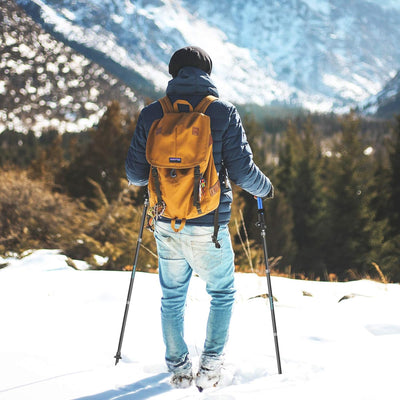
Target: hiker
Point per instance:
(193, 248)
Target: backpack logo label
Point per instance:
(175, 160)
(214, 189)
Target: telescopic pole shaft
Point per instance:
(261, 224)
(128, 299)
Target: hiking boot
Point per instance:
(209, 373)
(182, 375)
(181, 380)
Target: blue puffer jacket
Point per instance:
(230, 146)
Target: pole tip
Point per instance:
(117, 358)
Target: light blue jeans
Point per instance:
(180, 254)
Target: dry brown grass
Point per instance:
(244, 242)
(381, 275)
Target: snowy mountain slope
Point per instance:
(60, 330)
(320, 54)
(316, 46)
(387, 102)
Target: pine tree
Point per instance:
(299, 180)
(102, 160)
(395, 180)
(254, 133)
(348, 237)
(288, 157)
(306, 201)
(279, 221)
(385, 202)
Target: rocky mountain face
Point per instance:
(45, 84)
(320, 54)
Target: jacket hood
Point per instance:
(192, 81)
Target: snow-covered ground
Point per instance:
(60, 328)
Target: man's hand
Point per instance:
(271, 194)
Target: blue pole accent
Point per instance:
(259, 203)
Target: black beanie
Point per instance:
(190, 56)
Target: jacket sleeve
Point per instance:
(238, 159)
(136, 166)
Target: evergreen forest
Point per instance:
(335, 214)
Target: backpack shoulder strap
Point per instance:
(166, 105)
(204, 103)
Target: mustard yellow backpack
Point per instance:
(183, 181)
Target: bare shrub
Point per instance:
(113, 233)
(33, 216)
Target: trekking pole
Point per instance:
(139, 242)
(261, 224)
